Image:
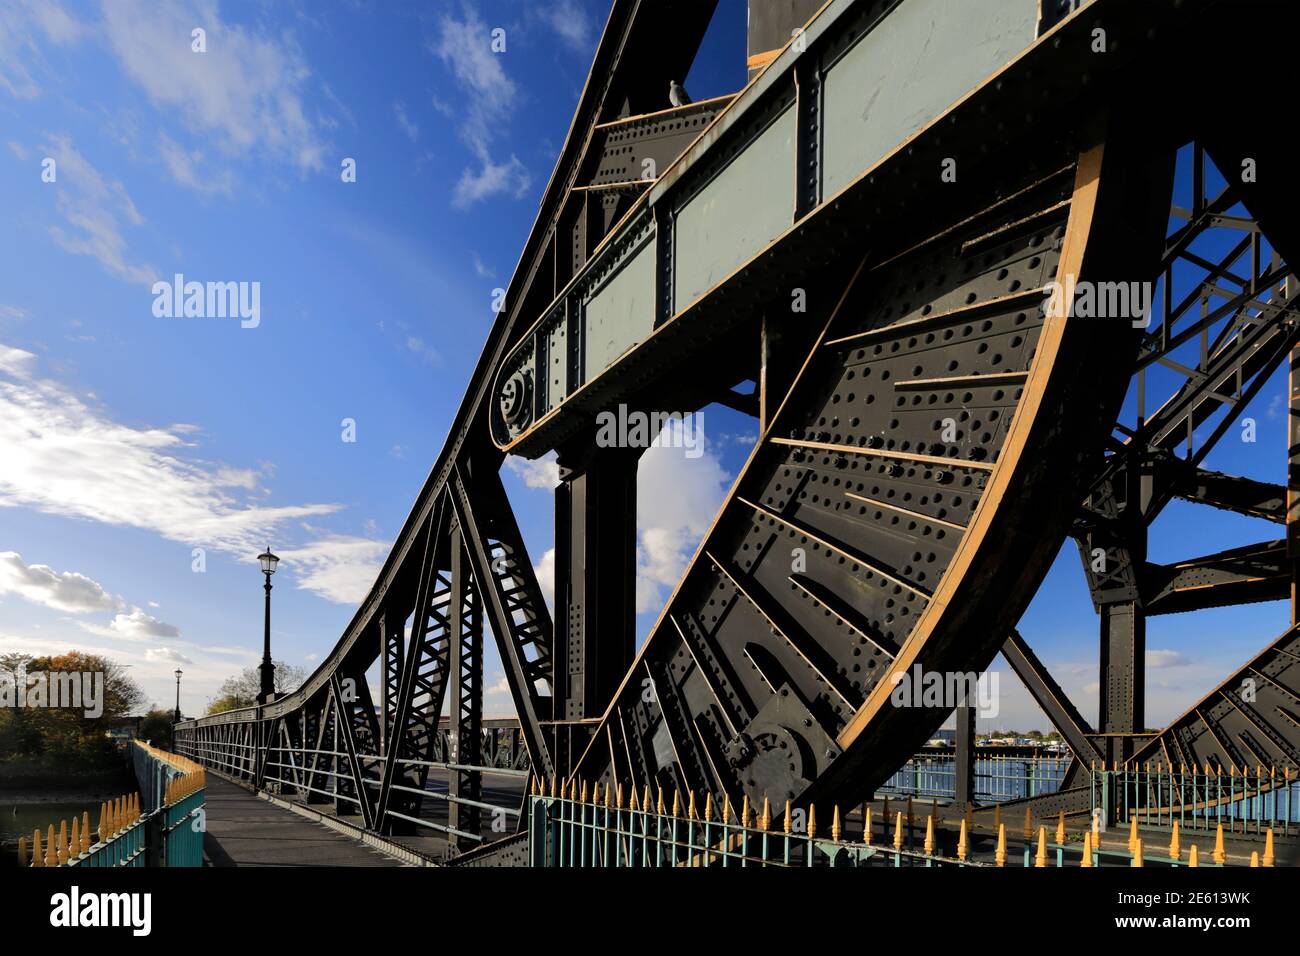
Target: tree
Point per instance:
(65, 735)
(242, 691)
(156, 727)
(228, 702)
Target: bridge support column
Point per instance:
(465, 633)
(964, 756)
(595, 583)
(1293, 475)
(1122, 677)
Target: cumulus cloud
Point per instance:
(677, 498)
(542, 472)
(132, 624)
(1158, 658)
(544, 571)
(167, 655)
(60, 590)
(76, 593)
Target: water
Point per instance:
(30, 816)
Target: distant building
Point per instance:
(125, 729)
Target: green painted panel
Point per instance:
(916, 63)
(557, 381)
(737, 214)
(621, 312)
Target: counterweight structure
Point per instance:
(929, 234)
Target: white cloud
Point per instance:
(186, 168)
(481, 269)
(570, 22)
(64, 457)
(541, 473)
(134, 624)
(509, 176)
(62, 591)
(677, 498)
(405, 122)
(544, 571)
(245, 93)
(95, 208)
(21, 22)
(16, 362)
(167, 655)
(464, 46)
(428, 353)
(1157, 658)
(339, 568)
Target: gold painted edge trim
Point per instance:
(1083, 208)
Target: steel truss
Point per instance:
(927, 427)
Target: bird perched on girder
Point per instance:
(677, 94)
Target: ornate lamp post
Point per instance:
(179, 672)
(269, 561)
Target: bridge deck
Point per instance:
(246, 831)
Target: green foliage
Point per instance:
(156, 727)
(229, 702)
(63, 739)
(242, 690)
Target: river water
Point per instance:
(21, 819)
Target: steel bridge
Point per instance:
(920, 231)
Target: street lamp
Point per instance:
(269, 561)
(179, 672)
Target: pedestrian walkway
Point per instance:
(243, 830)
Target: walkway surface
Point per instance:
(246, 831)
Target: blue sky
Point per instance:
(127, 440)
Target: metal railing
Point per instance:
(574, 827)
(1242, 801)
(998, 778)
(581, 829)
(168, 831)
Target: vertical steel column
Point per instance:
(1122, 676)
(964, 757)
(1293, 473)
(595, 587)
(466, 670)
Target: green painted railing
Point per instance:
(169, 831)
(576, 831)
(572, 827)
(1248, 802)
